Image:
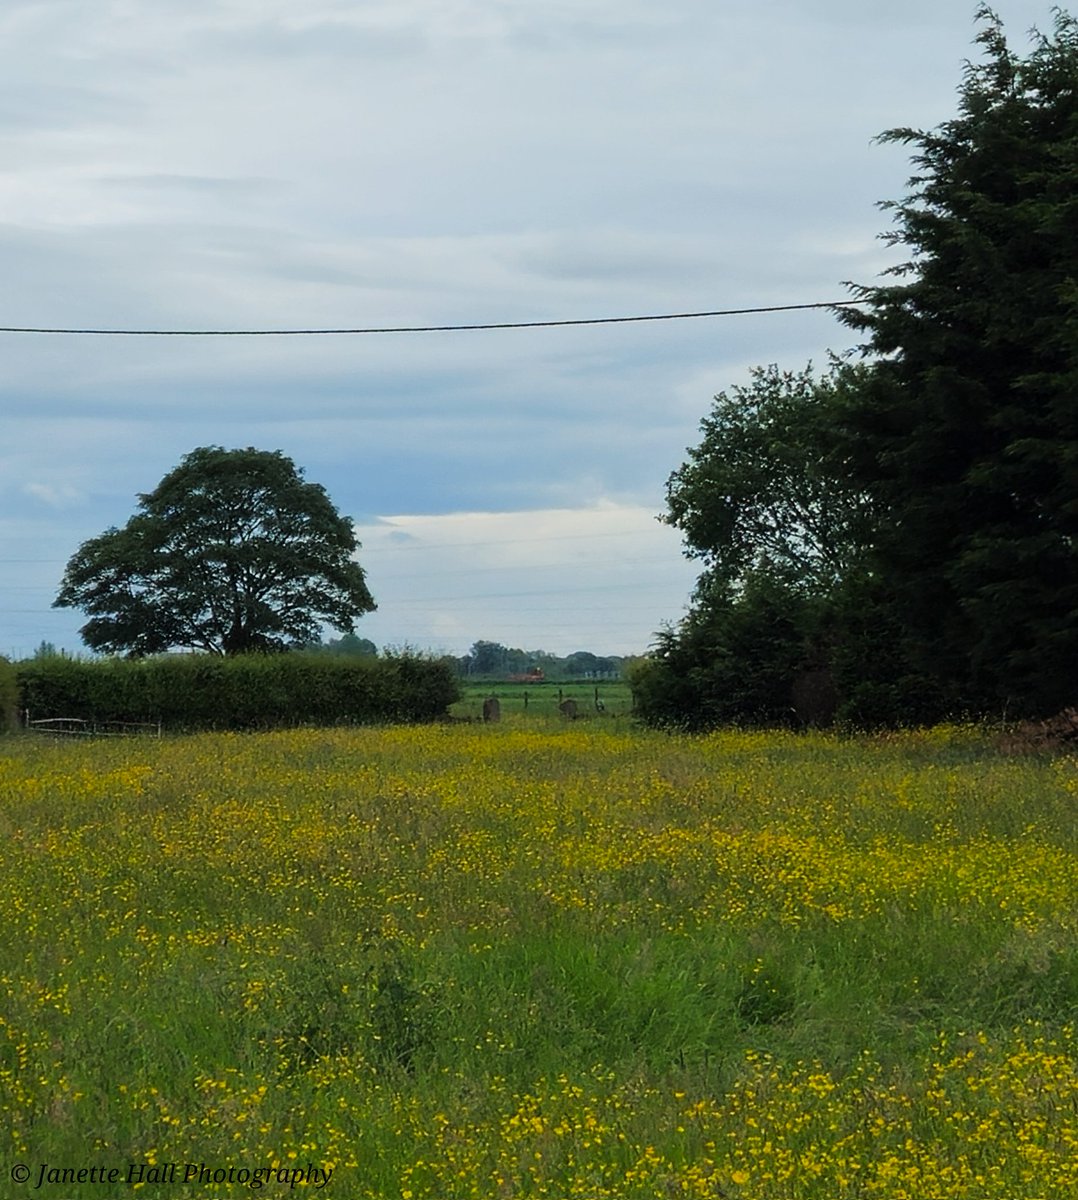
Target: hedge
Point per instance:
(201, 691)
(9, 696)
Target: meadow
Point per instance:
(545, 959)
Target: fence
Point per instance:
(78, 727)
(545, 699)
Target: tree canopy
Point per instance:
(762, 491)
(966, 431)
(909, 525)
(232, 552)
(763, 504)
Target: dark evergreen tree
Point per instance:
(965, 435)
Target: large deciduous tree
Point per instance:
(764, 504)
(232, 552)
(966, 435)
(764, 491)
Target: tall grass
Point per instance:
(546, 961)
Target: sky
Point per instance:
(253, 164)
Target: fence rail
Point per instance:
(80, 727)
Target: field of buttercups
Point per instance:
(575, 960)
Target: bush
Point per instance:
(9, 696)
(201, 691)
(737, 658)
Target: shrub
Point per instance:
(735, 659)
(9, 696)
(201, 691)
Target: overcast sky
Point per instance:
(243, 164)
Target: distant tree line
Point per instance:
(348, 646)
(895, 540)
(492, 660)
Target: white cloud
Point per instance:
(602, 578)
(54, 495)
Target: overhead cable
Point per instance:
(681, 316)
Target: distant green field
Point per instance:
(594, 698)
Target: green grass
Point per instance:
(545, 958)
(542, 700)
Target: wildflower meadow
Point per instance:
(554, 960)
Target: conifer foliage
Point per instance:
(919, 512)
(966, 433)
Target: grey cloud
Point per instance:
(34, 107)
(624, 28)
(324, 39)
(854, 16)
(210, 184)
(620, 256)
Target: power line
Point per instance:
(681, 316)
